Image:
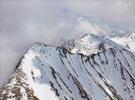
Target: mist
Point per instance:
(24, 22)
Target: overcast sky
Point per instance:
(24, 22)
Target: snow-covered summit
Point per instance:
(55, 73)
(90, 43)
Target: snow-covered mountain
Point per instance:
(92, 67)
(91, 43)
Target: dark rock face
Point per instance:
(14, 88)
(107, 75)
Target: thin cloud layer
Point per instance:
(116, 10)
(24, 22)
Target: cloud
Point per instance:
(116, 10)
(25, 22)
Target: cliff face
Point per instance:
(54, 73)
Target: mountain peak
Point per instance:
(55, 73)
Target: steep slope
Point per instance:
(53, 73)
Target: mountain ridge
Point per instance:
(55, 73)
